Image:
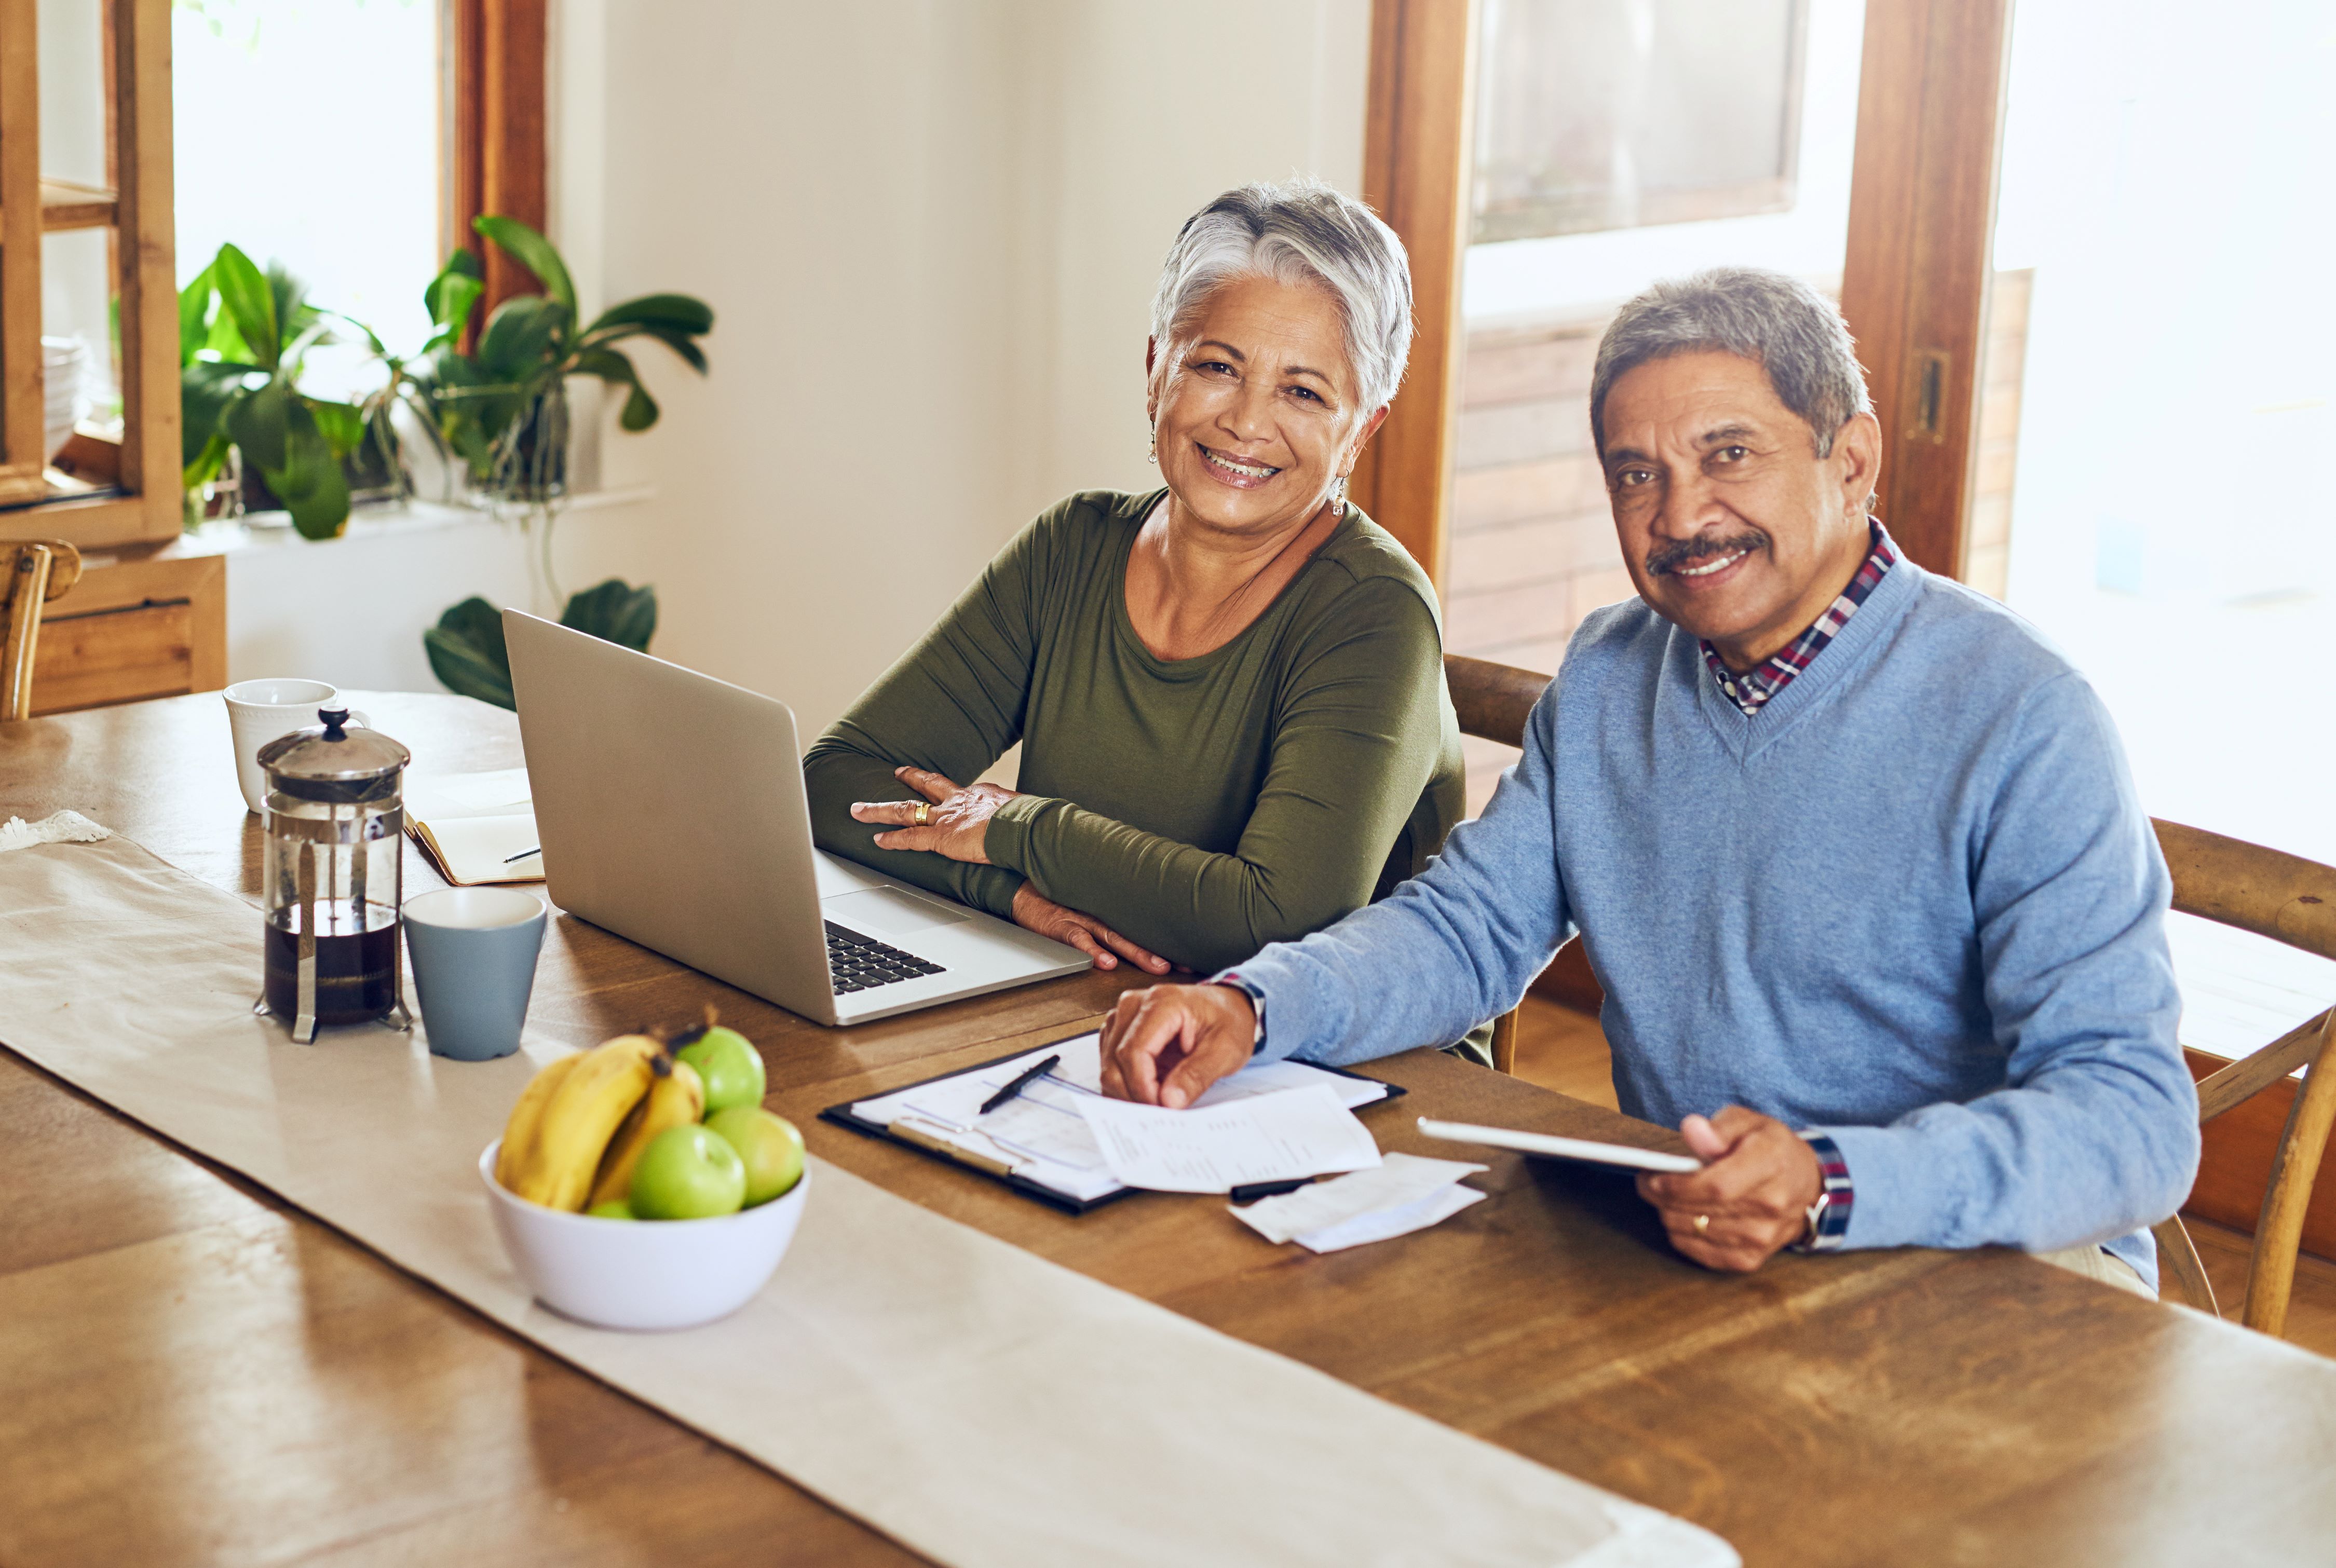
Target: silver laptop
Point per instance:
(671, 811)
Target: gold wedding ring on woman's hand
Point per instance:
(1702, 1224)
(922, 814)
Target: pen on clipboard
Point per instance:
(1023, 1079)
(521, 855)
(1251, 1192)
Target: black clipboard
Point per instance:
(841, 1115)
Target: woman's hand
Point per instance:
(1035, 912)
(955, 822)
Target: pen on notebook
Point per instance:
(521, 855)
(1022, 1079)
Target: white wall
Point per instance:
(929, 233)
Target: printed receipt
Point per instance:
(1265, 1138)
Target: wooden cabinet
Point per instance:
(149, 617)
(138, 624)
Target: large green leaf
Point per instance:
(206, 388)
(641, 408)
(682, 312)
(453, 295)
(615, 612)
(341, 424)
(466, 652)
(250, 303)
(205, 466)
(299, 322)
(534, 252)
(258, 422)
(311, 485)
(194, 312)
(691, 354)
(517, 341)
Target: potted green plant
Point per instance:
(503, 410)
(243, 338)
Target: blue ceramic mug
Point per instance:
(474, 951)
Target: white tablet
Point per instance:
(1559, 1148)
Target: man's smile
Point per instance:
(1709, 567)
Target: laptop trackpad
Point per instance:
(890, 912)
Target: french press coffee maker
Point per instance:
(336, 823)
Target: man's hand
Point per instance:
(1753, 1193)
(955, 822)
(1035, 912)
(1165, 1045)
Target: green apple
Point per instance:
(614, 1209)
(687, 1174)
(731, 1067)
(769, 1145)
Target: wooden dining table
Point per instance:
(193, 1371)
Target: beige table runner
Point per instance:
(971, 1400)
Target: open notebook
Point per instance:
(1040, 1142)
(477, 828)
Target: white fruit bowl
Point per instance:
(642, 1273)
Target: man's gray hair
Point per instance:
(1301, 232)
(1774, 319)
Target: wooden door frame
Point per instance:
(1922, 228)
(1418, 154)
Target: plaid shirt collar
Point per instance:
(1751, 690)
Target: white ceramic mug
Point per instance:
(257, 711)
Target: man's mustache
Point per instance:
(1703, 547)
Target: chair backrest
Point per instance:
(32, 573)
(2289, 900)
(1492, 701)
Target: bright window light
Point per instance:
(307, 131)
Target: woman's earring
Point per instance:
(1152, 447)
(1338, 489)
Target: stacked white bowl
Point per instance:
(63, 362)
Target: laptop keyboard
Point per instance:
(859, 962)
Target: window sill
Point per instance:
(275, 530)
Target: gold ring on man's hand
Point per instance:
(1702, 1224)
(922, 814)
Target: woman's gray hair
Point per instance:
(1300, 232)
(1775, 320)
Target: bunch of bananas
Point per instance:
(580, 1127)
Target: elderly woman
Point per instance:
(1229, 691)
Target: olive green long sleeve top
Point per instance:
(1203, 807)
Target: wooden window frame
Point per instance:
(145, 507)
(1915, 275)
(494, 108)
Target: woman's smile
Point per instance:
(1229, 470)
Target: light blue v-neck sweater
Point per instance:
(1913, 903)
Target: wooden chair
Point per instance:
(2289, 900)
(1493, 701)
(32, 573)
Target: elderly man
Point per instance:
(1853, 850)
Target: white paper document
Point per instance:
(1042, 1134)
(1386, 1223)
(1213, 1149)
(1400, 1182)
